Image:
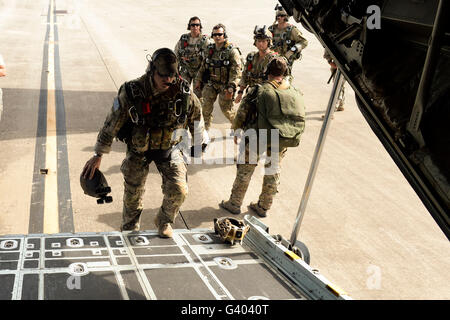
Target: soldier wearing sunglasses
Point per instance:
(190, 50)
(219, 75)
(287, 39)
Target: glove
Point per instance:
(193, 153)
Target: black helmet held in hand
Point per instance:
(96, 187)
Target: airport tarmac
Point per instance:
(365, 227)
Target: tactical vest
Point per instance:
(256, 73)
(153, 119)
(282, 42)
(191, 51)
(218, 66)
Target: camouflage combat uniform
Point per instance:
(221, 69)
(288, 42)
(190, 51)
(341, 96)
(150, 139)
(246, 118)
(254, 68)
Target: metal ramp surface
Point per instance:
(193, 265)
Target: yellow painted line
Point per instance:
(51, 214)
(336, 290)
(291, 255)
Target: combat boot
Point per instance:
(164, 229)
(131, 226)
(260, 211)
(227, 205)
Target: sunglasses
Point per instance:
(195, 24)
(282, 15)
(217, 34)
(165, 75)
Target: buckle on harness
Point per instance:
(222, 55)
(135, 116)
(175, 107)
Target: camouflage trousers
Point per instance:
(209, 95)
(270, 181)
(135, 169)
(189, 76)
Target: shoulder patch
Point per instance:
(116, 104)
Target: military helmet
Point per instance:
(96, 187)
(262, 33)
(230, 229)
(279, 11)
(164, 61)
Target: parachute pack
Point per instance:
(281, 109)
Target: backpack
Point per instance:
(283, 110)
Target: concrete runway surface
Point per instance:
(365, 227)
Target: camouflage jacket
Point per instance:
(254, 68)
(190, 52)
(221, 67)
(288, 39)
(246, 115)
(158, 115)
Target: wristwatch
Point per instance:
(98, 155)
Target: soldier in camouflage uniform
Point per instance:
(145, 114)
(287, 39)
(256, 61)
(247, 118)
(190, 50)
(219, 73)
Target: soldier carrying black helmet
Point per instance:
(145, 114)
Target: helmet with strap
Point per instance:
(230, 229)
(262, 33)
(96, 187)
(279, 11)
(164, 61)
